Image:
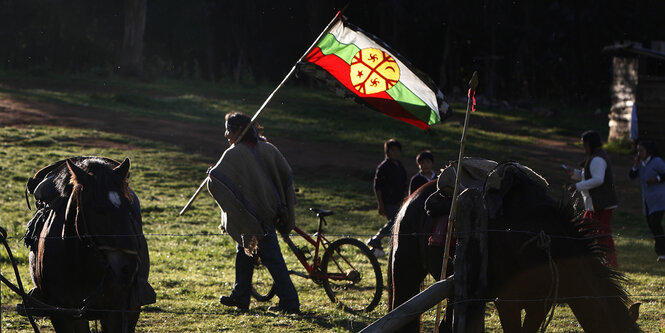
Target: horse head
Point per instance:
(100, 212)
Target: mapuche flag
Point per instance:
(376, 75)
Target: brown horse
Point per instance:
(538, 255)
(87, 248)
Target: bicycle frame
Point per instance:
(341, 266)
(313, 270)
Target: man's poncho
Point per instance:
(254, 188)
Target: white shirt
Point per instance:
(597, 168)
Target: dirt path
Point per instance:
(200, 138)
(209, 140)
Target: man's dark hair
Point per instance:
(425, 154)
(593, 139)
(238, 121)
(391, 143)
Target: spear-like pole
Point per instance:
(288, 76)
(473, 83)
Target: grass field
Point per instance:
(192, 264)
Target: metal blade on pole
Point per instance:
(288, 76)
(473, 83)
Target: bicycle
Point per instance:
(348, 271)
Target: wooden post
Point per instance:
(473, 84)
(411, 309)
(470, 264)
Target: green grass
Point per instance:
(192, 264)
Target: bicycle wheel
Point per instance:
(263, 286)
(352, 274)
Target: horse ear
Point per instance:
(122, 170)
(78, 175)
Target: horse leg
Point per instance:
(435, 264)
(407, 274)
(124, 322)
(446, 324)
(391, 297)
(133, 319)
(68, 324)
(534, 317)
(510, 315)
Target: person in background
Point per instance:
(425, 160)
(596, 184)
(390, 187)
(253, 185)
(650, 167)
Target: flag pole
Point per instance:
(288, 76)
(473, 83)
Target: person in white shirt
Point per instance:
(596, 184)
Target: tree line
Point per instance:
(523, 50)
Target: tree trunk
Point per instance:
(131, 56)
(208, 11)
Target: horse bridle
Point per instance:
(89, 242)
(100, 249)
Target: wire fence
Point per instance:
(361, 317)
(360, 236)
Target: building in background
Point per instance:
(637, 92)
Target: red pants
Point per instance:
(603, 220)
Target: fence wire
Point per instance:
(359, 236)
(168, 311)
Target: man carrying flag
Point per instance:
(372, 73)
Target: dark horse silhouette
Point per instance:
(539, 254)
(87, 249)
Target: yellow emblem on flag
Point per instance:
(373, 71)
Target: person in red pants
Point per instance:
(596, 184)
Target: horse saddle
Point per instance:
(474, 172)
(501, 179)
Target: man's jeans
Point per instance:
(272, 258)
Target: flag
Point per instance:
(375, 75)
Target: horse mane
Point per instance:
(100, 167)
(582, 230)
(576, 238)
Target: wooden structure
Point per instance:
(639, 81)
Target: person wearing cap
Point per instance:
(390, 187)
(650, 168)
(596, 184)
(425, 161)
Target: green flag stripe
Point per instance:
(412, 103)
(330, 45)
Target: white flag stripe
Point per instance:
(407, 78)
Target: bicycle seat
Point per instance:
(321, 212)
